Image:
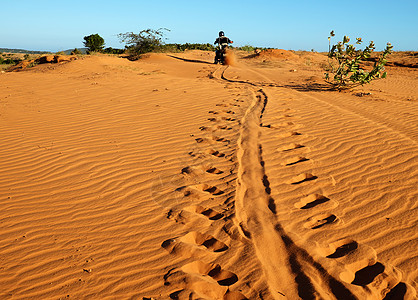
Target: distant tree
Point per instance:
(76, 52)
(94, 42)
(148, 40)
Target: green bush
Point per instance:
(8, 61)
(247, 48)
(187, 46)
(94, 43)
(110, 50)
(346, 64)
(76, 52)
(148, 40)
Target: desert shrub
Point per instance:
(187, 46)
(94, 43)
(346, 64)
(110, 50)
(9, 61)
(76, 52)
(247, 48)
(148, 40)
(33, 64)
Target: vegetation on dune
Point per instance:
(147, 40)
(94, 42)
(110, 50)
(347, 64)
(8, 61)
(76, 52)
(249, 48)
(189, 46)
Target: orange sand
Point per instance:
(171, 177)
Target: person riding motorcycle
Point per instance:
(223, 42)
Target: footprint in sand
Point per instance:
(341, 248)
(229, 119)
(201, 288)
(191, 190)
(184, 245)
(289, 134)
(294, 160)
(213, 112)
(220, 139)
(366, 275)
(381, 280)
(208, 212)
(285, 124)
(210, 189)
(214, 170)
(291, 146)
(288, 110)
(210, 141)
(321, 220)
(194, 213)
(311, 201)
(191, 170)
(201, 140)
(196, 154)
(361, 268)
(287, 116)
(216, 153)
(222, 277)
(302, 178)
(200, 170)
(401, 291)
(223, 127)
(198, 286)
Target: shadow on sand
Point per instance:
(190, 60)
(309, 87)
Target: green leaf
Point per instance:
(346, 39)
(384, 75)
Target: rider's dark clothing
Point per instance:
(223, 42)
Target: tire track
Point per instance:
(288, 268)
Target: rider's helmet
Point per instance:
(221, 33)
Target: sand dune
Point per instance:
(173, 178)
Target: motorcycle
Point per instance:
(221, 54)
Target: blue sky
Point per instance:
(290, 25)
